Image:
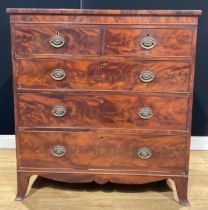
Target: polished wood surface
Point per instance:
(101, 122)
(78, 41)
(103, 151)
(128, 20)
(100, 74)
(74, 16)
(169, 42)
(104, 111)
(48, 194)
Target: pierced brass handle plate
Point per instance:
(58, 111)
(148, 42)
(58, 74)
(145, 113)
(58, 151)
(57, 41)
(146, 76)
(144, 153)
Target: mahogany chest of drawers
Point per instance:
(103, 95)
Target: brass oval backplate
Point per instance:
(145, 113)
(144, 153)
(148, 42)
(58, 111)
(57, 41)
(146, 76)
(58, 151)
(58, 74)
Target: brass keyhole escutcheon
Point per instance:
(102, 66)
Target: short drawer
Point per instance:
(166, 112)
(156, 76)
(57, 40)
(103, 151)
(148, 42)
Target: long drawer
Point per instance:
(135, 75)
(103, 151)
(166, 112)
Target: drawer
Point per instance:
(103, 151)
(57, 40)
(156, 76)
(166, 112)
(148, 42)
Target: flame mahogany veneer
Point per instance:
(103, 95)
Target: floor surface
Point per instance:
(46, 194)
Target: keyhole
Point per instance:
(102, 138)
(101, 100)
(102, 66)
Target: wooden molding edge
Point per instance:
(197, 142)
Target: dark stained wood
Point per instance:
(170, 21)
(103, 111)
(101, 131)
(114, 75)
(181, 184)
(22, 185)
(103, 151)
(169, 42)
(102, 178)
(78, 41)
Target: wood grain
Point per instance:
(171, 21)
(103, 102)
(169, 42)
(115, 75)
(103, 111)
(103, 151)
(78, 41)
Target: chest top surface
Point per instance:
(102, 12)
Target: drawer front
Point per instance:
(57, 40)
(104, 111)
(102, 151)
(156, 76)
(148, 42)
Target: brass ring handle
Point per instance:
(57, 41)
(145, 113)
(148, 42)
(58, 111)
(58, 74)
(58, 151)
(144, 153)
(146, 76)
